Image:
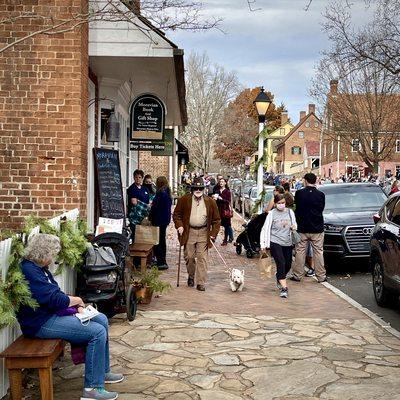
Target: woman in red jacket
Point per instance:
(223, 197)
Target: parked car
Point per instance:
(234, 187)
(251, 199)
(385, 252)
(349, 208)
(238, 198)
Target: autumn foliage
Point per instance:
(240, 128)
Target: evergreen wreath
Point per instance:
(14, 289)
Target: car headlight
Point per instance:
(333, 228)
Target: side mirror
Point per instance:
(377, 218)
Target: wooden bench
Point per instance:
(143, 251)
(32, 353)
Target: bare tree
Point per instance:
(364, 113)
(209, 89)
(375, 42)
(162, 14)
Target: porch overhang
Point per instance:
(143, 58)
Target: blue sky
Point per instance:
(277, 46)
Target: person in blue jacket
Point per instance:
(46, 322)
(160, 215)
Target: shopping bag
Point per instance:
(265, 264)
(147, 234)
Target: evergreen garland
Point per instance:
(14, 289)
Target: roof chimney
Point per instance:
(311, 108)
(334, 85)
(284, 117)
(136, 6)
(302, 115)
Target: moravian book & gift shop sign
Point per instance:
(147, 123)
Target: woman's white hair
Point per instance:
(42, 247)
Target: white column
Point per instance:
(260, 172)
(338, 158)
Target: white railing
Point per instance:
(66, 280)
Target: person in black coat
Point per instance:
(160, 215)
(310, 204)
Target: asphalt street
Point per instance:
(355, 280)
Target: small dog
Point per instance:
(236, 280)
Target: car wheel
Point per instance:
(249, 254)
(239, 249)
(382, 295)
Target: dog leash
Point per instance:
(229, 270)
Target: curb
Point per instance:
(364, 310)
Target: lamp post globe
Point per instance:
(262, 103)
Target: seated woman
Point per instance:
(44, 322)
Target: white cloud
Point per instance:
(277, 46)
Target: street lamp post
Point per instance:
(262, 102)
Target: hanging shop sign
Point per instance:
(168, 144)
(147, 118)
(146, 145)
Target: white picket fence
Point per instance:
(66, 280)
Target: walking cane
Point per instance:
(179, 261)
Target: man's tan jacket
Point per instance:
(181, 217)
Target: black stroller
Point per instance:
(107, 286)
(250, 237)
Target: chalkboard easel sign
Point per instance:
(109, 184)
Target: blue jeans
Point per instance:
(94, 336)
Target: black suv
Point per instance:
(348, 218)
(385, 252)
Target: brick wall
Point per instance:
(154, 165)
(43, 108)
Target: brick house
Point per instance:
(273, 139)
(290, 151)
(340, 157)
(56, 92)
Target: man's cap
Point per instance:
(198, 183)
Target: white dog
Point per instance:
(236, 279)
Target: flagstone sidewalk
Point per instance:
(219, 345)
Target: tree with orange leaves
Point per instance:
(240, 128)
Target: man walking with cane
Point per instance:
(197, 221)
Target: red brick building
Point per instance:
(340, 142)
(56, 90)
(290, 159)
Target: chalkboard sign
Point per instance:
(109, 185)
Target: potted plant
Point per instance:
(149, 283)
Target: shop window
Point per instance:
(397, 146)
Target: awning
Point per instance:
(182, 152)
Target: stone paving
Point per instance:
(219, 345)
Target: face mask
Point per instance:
(280, 207)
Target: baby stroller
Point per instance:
(250, 237)
(105, 281)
